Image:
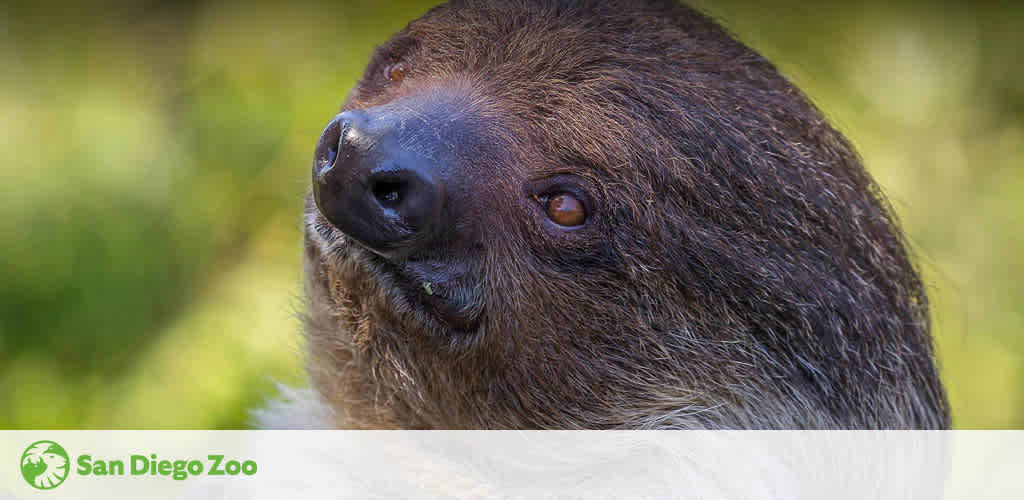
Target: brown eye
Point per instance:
(566, 210)
(396, 71)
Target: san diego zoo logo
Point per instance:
(44, 465)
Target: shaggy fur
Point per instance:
(741, 271)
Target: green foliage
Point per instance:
(154, 160)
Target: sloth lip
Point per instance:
(428, 286)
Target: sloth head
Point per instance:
(602, 214)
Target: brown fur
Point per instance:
(742, 271)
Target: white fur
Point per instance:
(295, 409)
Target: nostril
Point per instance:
(389, 192)
(332, 152)
(407, 195)
(327, 147)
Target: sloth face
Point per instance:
(526, 207)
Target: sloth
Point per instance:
(599, 215)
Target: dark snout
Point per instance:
(372, 181)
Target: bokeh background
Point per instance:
(153, 159)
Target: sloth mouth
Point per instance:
(430, 287)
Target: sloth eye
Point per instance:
(396, 71)
(565, 209)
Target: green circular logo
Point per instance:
(44, 465)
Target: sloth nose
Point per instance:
(367, 185)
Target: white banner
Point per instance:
(971, 465)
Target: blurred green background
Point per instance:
(154, 158)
